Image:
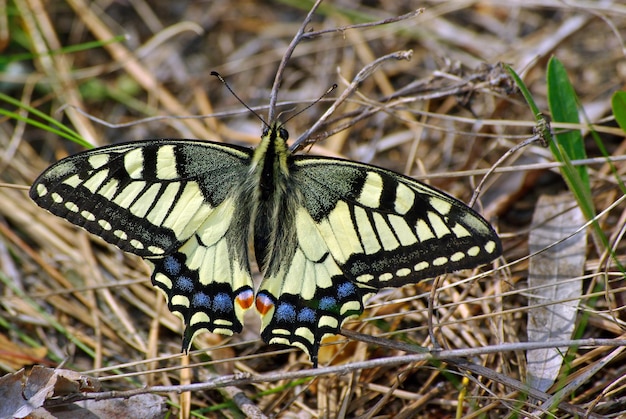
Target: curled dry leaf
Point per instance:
(25, 394)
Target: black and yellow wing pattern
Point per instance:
(327, 233)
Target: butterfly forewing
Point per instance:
(385, 229)
(170, 202)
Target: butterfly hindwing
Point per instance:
(307, 297)
(170, 202)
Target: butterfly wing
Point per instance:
(360, 228)
(171, 202)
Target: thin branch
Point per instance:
(283, 63)
(394, 19)
(361, 75)
(500, 161)
(244, 404)
(300, 35)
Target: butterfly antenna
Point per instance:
(326, 93)
(225, 83)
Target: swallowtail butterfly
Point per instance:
(327, 233)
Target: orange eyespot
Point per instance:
(244, 299)
(264, 304)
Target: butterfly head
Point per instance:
(275, 130)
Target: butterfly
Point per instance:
(327, 233)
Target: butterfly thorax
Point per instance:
(270, 166)
(274, 192)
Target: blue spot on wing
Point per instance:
(328, 303)
(285, 312)
(346, 289)
(307, 315)
(223, 302)
(171, 266)
(184, 284)
(201, 299)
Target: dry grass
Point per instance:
(92, 306)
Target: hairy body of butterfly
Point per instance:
(327, 233)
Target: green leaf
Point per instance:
(563, 104)
(618, 104)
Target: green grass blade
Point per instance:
(48, 124)
(524, 91)
(28, 56)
